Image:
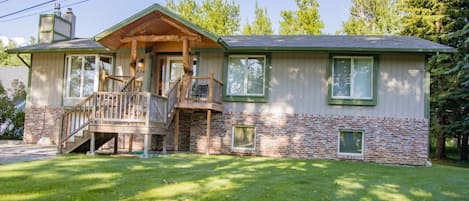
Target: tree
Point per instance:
(6, 106)
(261, 25)
(217, 16)
(458, 36)
(18, 91)
(220, 16)
(424, 19)
(373, 17)
(445, 22)
(304, 21)
(188, 9)
(10, 59)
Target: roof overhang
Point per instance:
(156, 26)
(68, 46)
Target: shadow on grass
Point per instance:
(198, 177)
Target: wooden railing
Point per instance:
(205, 90)
(76, 120)
(122, 83)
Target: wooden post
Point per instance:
(186, 62)
(146, 142)
(92, 143)
(210, 88)
(116, 141)
(60, 136)
(133, 58)
(131, 140)
(176, 132)
(164, 144)
(209, 119)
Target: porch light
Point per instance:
(140, 66)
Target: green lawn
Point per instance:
(198, 177)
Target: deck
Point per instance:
(144, 113)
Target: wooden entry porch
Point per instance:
(101, 116)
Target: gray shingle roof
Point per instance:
(335, 43)
(80, 44)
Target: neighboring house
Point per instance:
(315, 97)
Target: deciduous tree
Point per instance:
(373, 17)
(261, 25)
(304, 21)
(217, 16)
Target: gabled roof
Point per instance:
(334, 43)
(153, 8)
(75, 45)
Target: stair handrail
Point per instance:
(129, 86)
(75, 109)
(171, 101)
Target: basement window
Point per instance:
(350, 142)
(244, 137)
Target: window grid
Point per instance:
(82, 58)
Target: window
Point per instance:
(244, 137)
(353, 80)
(246, 78)
(83, 72)
(351, 142)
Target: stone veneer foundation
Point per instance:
(41, 122)
(386, 139)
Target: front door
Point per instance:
(173, 70)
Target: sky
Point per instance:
(94, 16)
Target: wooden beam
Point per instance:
(209, 122)
(158, 38)
(177, 26)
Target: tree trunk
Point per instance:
(457, 141)
(464, 148)
(440, 152)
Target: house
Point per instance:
(157, 81)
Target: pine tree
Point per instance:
(304, 21)
(261, 25)
(373, 17)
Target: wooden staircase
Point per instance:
(126, 111)
(108, 113)
(81, 144)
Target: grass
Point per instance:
(198, 177)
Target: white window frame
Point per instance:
(68, 63)
(352, 68)
(351, 154)
(233, 138)
(245, 93)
